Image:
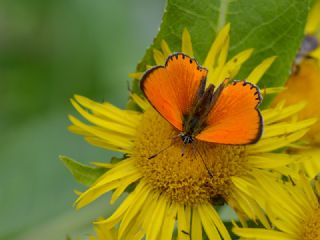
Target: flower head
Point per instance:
(303, 85)
(171, 189)
(293, 210)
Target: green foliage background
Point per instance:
(50, 50)
(271, 27)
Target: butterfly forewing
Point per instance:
(172, 89)
(234, 118)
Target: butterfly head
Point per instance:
(186, 138)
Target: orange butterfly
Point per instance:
(227, 115)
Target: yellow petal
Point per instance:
(196, 228)
(270, 160)
(143, 103)
(208, 224)
(261, 234)
(107, 145)
(243, 191)
(104, 233)
(218, 74)
(137, 228)
(279, 112)
(243, 203)
(103, 164)
(108, 181)
(259, 71)
(274, 143)
(281, 199)
(157, 219)
(315, 53)
(233, 66)
(169, 221)
(110, 112)
(273, 90)
(217, 46)
(108, 135)
(118, 214)
(141, 194)
(136, 75)
(309, 193)
(313, 22)
(186, 43)
(165, 48)
(183, 228)
(123, 186)
(123, 169)
(92, 194)
(158, 57)
(217, 221)
(311, 163)
(285, 128)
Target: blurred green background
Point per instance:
(50, 50)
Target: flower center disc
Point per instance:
(312, 227)
(185, 179)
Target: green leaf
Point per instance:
(271, 27)
(84, 174)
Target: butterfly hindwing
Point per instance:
(234, 118)
(172, 89)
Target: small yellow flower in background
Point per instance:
(303, 85)
(174, 191)
(292, 208)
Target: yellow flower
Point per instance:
(303, 85)
(292, 208)
(173, 190)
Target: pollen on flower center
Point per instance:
(185, 179)
(312, 227)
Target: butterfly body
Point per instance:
(195, 120)
(225, 115)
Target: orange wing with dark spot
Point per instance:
(172, 89)
(235, 118)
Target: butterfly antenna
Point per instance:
(204, 163)
(162, 150)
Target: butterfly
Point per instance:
(227, 114)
